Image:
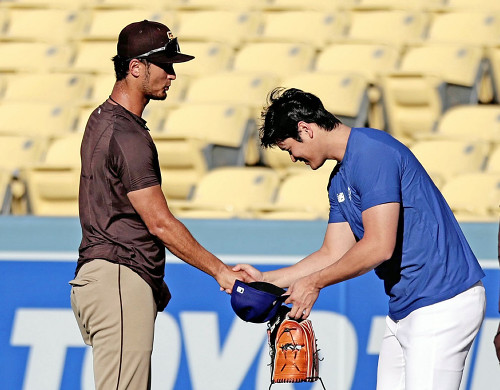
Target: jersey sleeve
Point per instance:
(377, 174)
(134, 159)
(335, 214)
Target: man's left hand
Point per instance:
(303, 294)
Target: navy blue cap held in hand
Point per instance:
(256, 302)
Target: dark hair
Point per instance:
(286, 108)
(122, 64)
(121, 67)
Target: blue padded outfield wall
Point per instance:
(200, 343)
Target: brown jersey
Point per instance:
(119, 156)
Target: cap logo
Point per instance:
(240, 289)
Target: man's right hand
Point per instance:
(250, 273)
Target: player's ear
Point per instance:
(134, 67)
(306, 129)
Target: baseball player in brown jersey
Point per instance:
(126, 223)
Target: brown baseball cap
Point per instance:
(152, 41)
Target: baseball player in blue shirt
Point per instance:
(386, 215)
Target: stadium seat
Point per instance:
(93, 57)
(247, 88)
(444, 159)
(52, 186)
(229, 192)
(278, 58)
(474, 196)
(343, 94)
(461, 67)
(493, 56)
(302, 196)
(470, 122)
(197, 138)
(124, 4)
(64, 151)
(210, 57)
(401, 5)
(316, 5)
(38, 57)
(58, 26)
(106, 24)
(231, 27)
(218, 5)
(53, 190)
(47, 87)
(395, 27)
(493, 163)
(368, 60)
(73, 4)
(483, 27)
(431, 79)
(413, 103)
(18, 151)
(459, 5)
(36, 119)
(322, 27)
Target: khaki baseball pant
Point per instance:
(116, 312)
(427, 349)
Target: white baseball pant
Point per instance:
(427, 349)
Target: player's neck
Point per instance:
(128, 98)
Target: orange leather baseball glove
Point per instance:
(293, 350)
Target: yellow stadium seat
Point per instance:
(52, 186)
(454, 63)
(229, 192)
(493, 55)
(482, 27)
(231, 27)
(474, 196)
(36, 119)
(279, 58)
(470, 122)
(106, 24)
(47, 87)
(64, 150)
(218, 5)
(413, 103)
(19, 151)
(197, 138)
(431, 79)
(368, 60)
(343, 94)
(94, 57)
(322, 27)
(401, 5)
(101, 86)
(210, 57)
(395, 27)
(444, 159)
(48, 25)
(124, 4)
(300, 196)
(459, 5)
(73, 4)
(53, 190)
(316, 5)
(493, 164)
(43, 57)
(247, 88)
